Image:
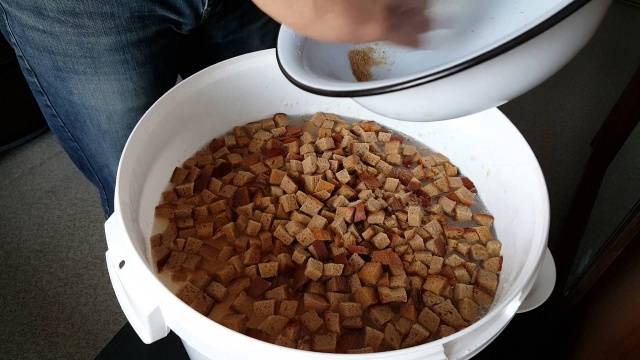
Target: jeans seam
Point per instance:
(205, 11)
(45, 96)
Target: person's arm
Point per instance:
(400, 21)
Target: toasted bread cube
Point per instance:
(332, 321)
(216, 291)
(449, 314)
(468, 309)
(384, 136)
(285, 341)
(332, 270)
(454, 260)
(299, 255)
(359, 148)
(481, 298)
(370, 158)
(325, 343)
(350, 309)
(311, 321)
(335, 298)
(429, 319)
(317, 222)
(383, 281)
(434, 228)
(391, 184)
(392, 147)
(305, 237)
(402, 325)
(310, 164)
(311, 206)
(288, 202)
(376, 217)
(314, 269)
(384, 167)
(251, 256)
(345, 213)
(243, 303)
(288, 308)
(463, 248)
(253, 228)
(479, 252)
(471, 236)
(380, 314)
(343, 176)
(487, 280)
(276, 176)
(417, 243)
(273, 324)
(392, 337)
(373, 338)
(435, 264)
(430, 299)
(339, 226)
(398, 281)
(368, 233)
(315, 302)
(417, 335)
(189, 293)
(294, 228)
(388, 295)
(493, 264)
(381, 240)
(463, 213)
(325, 143)
(369, 137)
(338, 283)
(483, 219)
(394, 159)
(461, 291)
(185, 190)
(435, 283)
(461, 274)
(356, 262)
(418, 268)
(494, 247)
(465, 196)
(281, 234)
(288, 185)
(370, 273)
(484, 233)
(268, 270)
(414, 215)
(366, 296)
(300, 218)
(353, 323)
(351, 163)
(279, 293)
(444, 331)
(264, 307)
(228, 191)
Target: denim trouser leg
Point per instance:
(95, 66)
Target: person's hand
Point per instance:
(399, 21)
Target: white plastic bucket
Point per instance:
(485, 146)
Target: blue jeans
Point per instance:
(95, 66)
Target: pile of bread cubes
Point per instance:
(329, 236)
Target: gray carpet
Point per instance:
(57, 302)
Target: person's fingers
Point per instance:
(404, 39)
(407, 31)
